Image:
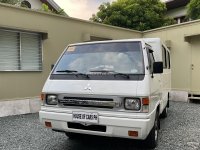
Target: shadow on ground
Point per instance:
(104, 143)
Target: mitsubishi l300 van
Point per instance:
(117, 88)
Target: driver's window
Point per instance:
(150, 59)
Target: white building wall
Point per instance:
(35, 4)
(178, 12)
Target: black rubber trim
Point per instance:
(99, 128)
(97, 77)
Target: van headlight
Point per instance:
(132, 104)
(51, 99)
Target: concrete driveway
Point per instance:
(180, 131)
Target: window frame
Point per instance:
(26, 3)
(150, 53)
(167, 58)
(20, 51)
(164, 59)
(169, 61)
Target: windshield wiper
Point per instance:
(82, 74)
(74, 72)
(106, 71)
(111, 71)
(67, 71)
(122, 74)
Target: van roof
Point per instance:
(121, 40)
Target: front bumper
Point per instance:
(117, 124)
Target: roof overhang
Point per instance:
(52, 5)
(173, 4)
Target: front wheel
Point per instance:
(152, 139)
(164, 113)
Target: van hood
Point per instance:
(94, 87)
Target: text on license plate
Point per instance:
(85, 117)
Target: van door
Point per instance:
(166, 76)
(155, 79)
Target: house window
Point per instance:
(25, 4)
(181, 19)
(20, 51)
(150, 59)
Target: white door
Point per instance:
(195, 66)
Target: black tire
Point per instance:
(152, 138)
(164, 113)
(168, 103)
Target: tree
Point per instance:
(193, 9)
(12, 2)
(134, 14)
(44, 6)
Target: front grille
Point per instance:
(99, 128)
(87, 102)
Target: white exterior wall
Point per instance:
(35, 4)
(178, 12)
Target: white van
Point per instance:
(117, 88)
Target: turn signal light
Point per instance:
(145, 101)
(133, 133)
(145, 105)
(48, 124)
(42, 96)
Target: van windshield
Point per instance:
(123, 57)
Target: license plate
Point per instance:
(85, 117)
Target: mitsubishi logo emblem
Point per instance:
(88, 87)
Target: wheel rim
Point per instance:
(156, 134)
(156, 128)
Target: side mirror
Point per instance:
(52, 65)
(158, 67)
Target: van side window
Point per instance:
(169, 62)
(167, 59)
(151, 60)
(164, 57)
